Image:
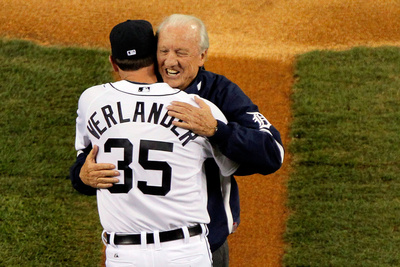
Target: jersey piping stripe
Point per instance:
(130, 93)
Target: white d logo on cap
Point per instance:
(131, 52)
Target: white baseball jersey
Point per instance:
(162, 184)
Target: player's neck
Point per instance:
(143, 75)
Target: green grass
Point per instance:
(344, 192)
(43, 220)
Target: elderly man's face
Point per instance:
(178, 55)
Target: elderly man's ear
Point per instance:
(203, 57)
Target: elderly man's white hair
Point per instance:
(180, 19)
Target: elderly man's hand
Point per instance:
(198, 120)
(98, 175)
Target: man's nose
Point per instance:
(171, 59)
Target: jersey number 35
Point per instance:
(145, 146)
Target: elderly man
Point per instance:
(248, 138)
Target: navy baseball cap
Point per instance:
(133, 39)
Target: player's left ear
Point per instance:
(113, 64)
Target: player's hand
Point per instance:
(198, 120)
(98, 175)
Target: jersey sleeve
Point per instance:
(87, 97)
(227, 166)
(81, 137)
(82, 144)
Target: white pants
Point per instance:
(191, 251)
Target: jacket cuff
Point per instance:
(221, 133)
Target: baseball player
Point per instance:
(156, 214)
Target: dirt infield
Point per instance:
(253, 43)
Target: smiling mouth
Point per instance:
(171, 72)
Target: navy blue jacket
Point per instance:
(248, 139)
